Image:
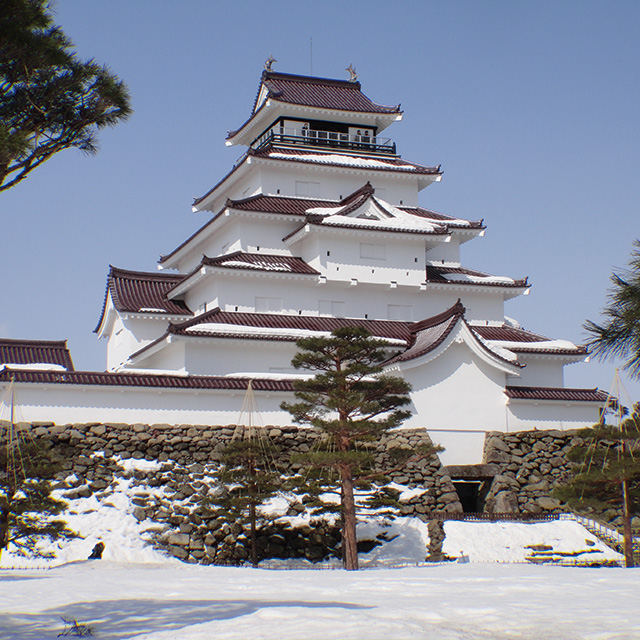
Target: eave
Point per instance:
(272, 109)
(555, 395)
(203, 271)
(422, 180)
(207, 201)
(507, 291)
(107, 318)
(171, 260)
(460, 332)
(431, 239)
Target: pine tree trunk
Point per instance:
(254, 546)
(626, 524)
(4, 528)
(349, 541)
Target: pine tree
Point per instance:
(619, 334)
(607, 473)
(250, 478)
(27, 508)
(49, 100)
(354, 405)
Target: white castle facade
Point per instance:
(317, 226)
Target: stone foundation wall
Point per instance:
(530, 464)
(171, 496)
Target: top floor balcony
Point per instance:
(307, 137)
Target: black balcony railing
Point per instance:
(324, 139)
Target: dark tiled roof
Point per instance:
(261, 262)
(379, 328)
(235, 167)
(278, 204)
(507, 333)
(444, 219)
(429, 334)
(109, 379)
(437, 275)
(142, 292)
(396, 165)
(35, 352)
(319, 221)
(259, 204)
(324, 93)
(512, 334)
(556, 393)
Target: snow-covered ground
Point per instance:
(174, 601)
(138, 592)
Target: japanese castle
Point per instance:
(317, 226)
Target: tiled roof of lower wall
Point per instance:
(101, 378)
(35, 352)
(556, 393)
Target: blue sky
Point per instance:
(531, 108)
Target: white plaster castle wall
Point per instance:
(130, 334)
(238, 290)
(345, 254)
(225, 240)
(330, 184)
(170, 358)
(481, 306)
(539, 372)
(221, 357)
(449, 252)
(263, 234)
(457, 392)
(62, 404)
(522, 416)
(236, 188)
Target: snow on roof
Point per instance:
(260, 262)
(442, 218)
(374, 213)
(34, 366)
(441, 274)
(285, 333)
(142, 292)
(476, 279)
(498, 349)
(17, 352)
(346, 160)
(257, 265)
(543, 345)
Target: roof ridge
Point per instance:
(62, 344)
(293, 77)
(457, 309)
(143, 275)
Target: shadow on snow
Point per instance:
(116, 619)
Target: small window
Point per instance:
(400, 312)
(372, 251)
(334, 308)
(308, 189)
(268, 305)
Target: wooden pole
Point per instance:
(626, 524)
